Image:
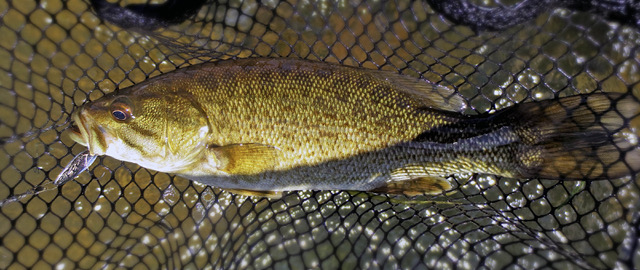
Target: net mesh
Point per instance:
(57, 55)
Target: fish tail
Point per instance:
(583, 137)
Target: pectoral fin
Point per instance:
(246, 159)
(424, 185)
(256, 193)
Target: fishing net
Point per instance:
(56, 55)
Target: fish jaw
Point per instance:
(88, 133)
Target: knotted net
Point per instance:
(56, 55)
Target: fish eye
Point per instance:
(119, 115)
(121, 109)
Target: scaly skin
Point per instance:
(283, 124)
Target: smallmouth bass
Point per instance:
(257, 126)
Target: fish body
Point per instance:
(286, 124)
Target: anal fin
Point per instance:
(423, 185)
(256, 193)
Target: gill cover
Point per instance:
(186, 124)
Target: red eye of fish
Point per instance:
(121, 109)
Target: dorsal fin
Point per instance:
(430, 94)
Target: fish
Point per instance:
(263, 126)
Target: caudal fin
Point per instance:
(583, 137)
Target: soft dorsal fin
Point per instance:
(246, 158)
(431, 95)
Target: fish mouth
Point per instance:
(86, 132)
(76, 135)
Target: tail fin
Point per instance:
(584, 137)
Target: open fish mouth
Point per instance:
(76, 135)
(87, 133)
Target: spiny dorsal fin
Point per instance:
(246, 159)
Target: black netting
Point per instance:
(60, 54)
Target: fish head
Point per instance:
(157, 130)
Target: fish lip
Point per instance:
(75, 130)
(87, 133)
(78, 129)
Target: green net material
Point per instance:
(56, 55)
